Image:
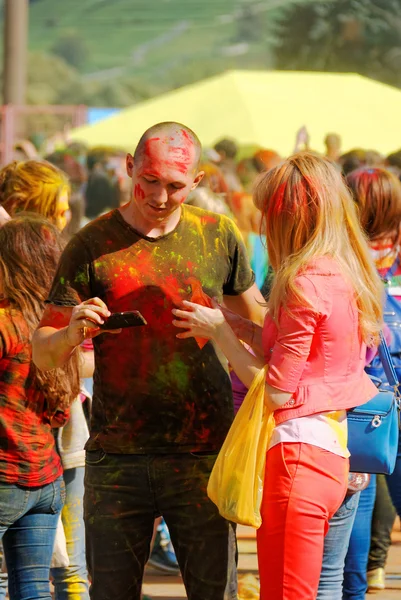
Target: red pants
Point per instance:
(304, 486)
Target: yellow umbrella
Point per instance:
(266, 108)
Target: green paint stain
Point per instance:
(175, 374)
(112, 477)
(81, 278)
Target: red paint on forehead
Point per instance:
(186, 135)
(148, 146)
(169, 152)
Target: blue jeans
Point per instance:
(72, 581)
(28, 522)
(356, 562)
(335, 550)
(3, 575)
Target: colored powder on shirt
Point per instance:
(154, 392)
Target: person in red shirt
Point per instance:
(31, 402)
(42, 188)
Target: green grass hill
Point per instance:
(162, 41)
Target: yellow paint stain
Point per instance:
(77, 589)
(336, 421)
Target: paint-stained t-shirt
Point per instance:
(27, 450)
(153, 392)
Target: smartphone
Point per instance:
(122, 320)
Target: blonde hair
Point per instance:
(32, 185)
(307, 213)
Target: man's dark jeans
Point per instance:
(124, 494)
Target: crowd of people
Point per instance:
(108, 436)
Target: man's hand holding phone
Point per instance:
(92, 317)
(85, 321)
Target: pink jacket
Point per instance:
(317, 353)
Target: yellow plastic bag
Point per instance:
(236, 481)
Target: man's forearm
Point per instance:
(50, 348)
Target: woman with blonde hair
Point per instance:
(324, 309)
(35, 186)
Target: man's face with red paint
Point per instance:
(163, 176)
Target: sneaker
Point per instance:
(163, 557)
(376, 580)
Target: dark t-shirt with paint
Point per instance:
(154, 393)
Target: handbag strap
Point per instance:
(387, 362)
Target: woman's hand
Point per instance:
(85, 321)
(199, 321)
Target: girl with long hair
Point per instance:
(40, 187)
(323, 310)
(31, 484)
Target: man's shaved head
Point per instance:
(164, 170)
(181, 139)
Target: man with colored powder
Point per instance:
(161, 406)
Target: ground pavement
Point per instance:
(171, 588)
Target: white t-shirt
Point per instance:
(327, 430)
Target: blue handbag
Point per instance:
(373, 428)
